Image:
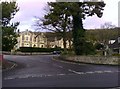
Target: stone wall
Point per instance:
(93, 59)
(26, 53)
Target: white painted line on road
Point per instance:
(76, 72)
(81, 73)
(58, 66)
(49, 75)
(108, 71)
(13, 66)
(22, 77)
(60, 74)
(98, 72)
(33, 76)
(8, 78)
(90, 72)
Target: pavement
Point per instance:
(43, 71)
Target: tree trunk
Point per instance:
(78, 35)
(64, 42)
(70, 44)
(64, 33)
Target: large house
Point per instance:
(31, 39)
(37, 39)
(115, 45)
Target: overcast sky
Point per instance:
(31, 8)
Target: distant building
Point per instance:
(115, 46)
(31, 39)
(38, 39)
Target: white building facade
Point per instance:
(38, 39)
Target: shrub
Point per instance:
(99, 46)
(116, 54)
(34, 49)
(89, 48)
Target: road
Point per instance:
(43, 71)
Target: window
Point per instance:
(22, 37)
(41, 46)
(30, 45)
(22, 44)
(34, 39)
(26, 38)
(30, 38)
(34, 45)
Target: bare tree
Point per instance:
(107, 25)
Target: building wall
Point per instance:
(29, 39)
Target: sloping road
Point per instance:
(42, 71)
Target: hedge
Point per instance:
(35, 49)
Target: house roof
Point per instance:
(116, 44)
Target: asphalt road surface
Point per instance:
(43, 71)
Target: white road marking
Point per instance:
(81, 73)
(8, 78)
(61, 74)
(13, 66)
(98, 71)
(57, 66)
(32, 76)
(90, 72)
(60, 66)
(76, 72)
(49, 75)
(108, 71)
(43, 75)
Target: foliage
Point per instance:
(116, 55)
(85, 9)
(9, 9)
(69, 15)
(107, 25)
(57, 20)
(35, 49)
(102, 35)
(90, 49)
(8, 38)
(99, 46)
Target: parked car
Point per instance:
(56, 52)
